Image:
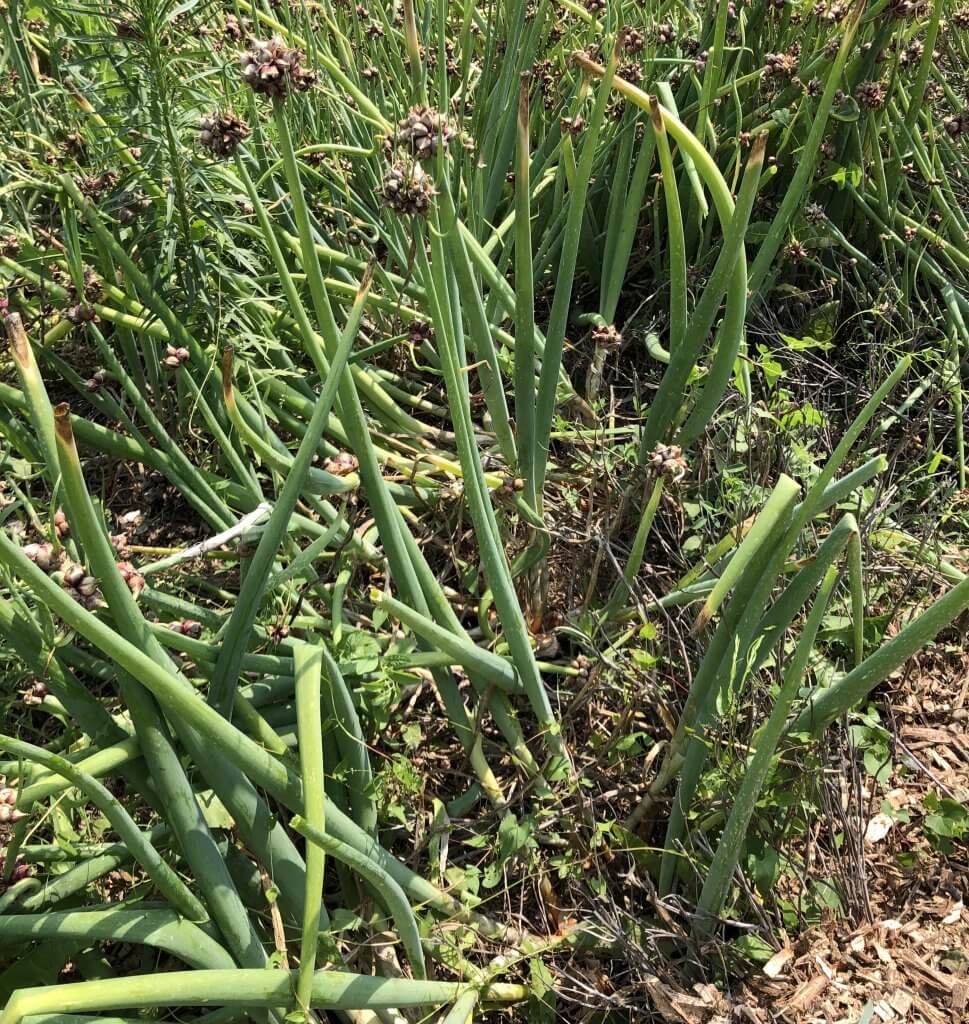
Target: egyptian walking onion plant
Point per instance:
(234, 721)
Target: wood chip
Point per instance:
(807, 993)
(960, 995)
(921, 736)
(826, 970)
(712, 996)
(878, 827)
(954, 914)
(942, 981)
(901, 1002)
(778, 962)
(676, 1006)
(929, 1013)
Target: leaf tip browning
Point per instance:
(701, 621)
(524, 85)
(62, 423)
(17, 336)
(618, 47)
(757, 150)
(366, 281)
(586, 62)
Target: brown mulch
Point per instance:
(911, 967)
(909, 961)
(898, 951)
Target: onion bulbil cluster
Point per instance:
(274, 69)
(423, 132)
(222, 132)
(407, 189)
